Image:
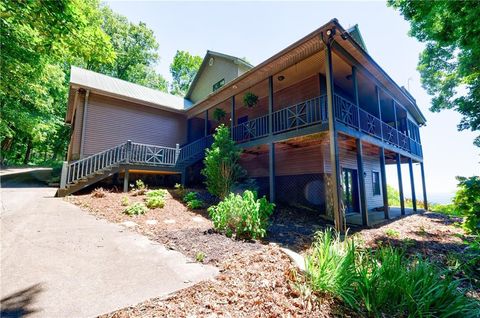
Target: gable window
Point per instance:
(218, 84)
(376, 182)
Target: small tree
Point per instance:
(222, 169)
(467, 202)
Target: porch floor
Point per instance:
(377, 217)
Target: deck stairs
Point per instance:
(79, 174)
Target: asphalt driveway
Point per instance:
(58, 261)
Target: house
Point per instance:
(326, 122)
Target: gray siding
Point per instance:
(112, 121)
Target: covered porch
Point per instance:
(378, 217)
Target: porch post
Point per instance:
(384, 183)
(412, 184)
(424, 186)
(183, 177)
(232, 117)
(379, 105)
(271, 170)
(361, 181)
(206, 123)
(334, 155)
(355, 93)
(84, 123)
(63, 176)
(398, 159)
(271, 148)
(125, 180)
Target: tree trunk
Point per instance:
(28, 152)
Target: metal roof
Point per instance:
(120, 88)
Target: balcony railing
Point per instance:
(314, 111)
(309, 112)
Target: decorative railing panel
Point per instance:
(403, 141)
(153, 155)
(390, 134)
(252, 129)
(345, 111)
(370, 124)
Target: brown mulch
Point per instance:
(251, 284)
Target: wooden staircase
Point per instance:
(92, 169)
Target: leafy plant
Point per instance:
(219, 114)
(200, 257)
(179, 190)
(190, 196)
(250, 99)
(153, 202)
(195, 204)
(125, 201)
(392, 233)
(156, 193)
(467, 202)
(222, 170)
(140, 185)
(244, 215)
(136, 208)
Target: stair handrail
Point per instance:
(194, 148)
(84, 167)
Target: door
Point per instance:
(350, 190)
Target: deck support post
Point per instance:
(183, 177)
(232, 117)
(361, 181)
(339, 216)
(271, 171)
(398, 159)
(63, 176)
(424, 187)
(206, 123)
(84, 123)
(384, 183)
(125, 180)
(412, 184)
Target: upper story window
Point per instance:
(218, 84)
(376, 182)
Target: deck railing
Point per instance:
(153, 155)
(297, 116)
(193, 149)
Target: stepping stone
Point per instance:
(169, 221)
(151, 222)
(129, 224)
(197, 219)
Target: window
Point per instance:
(218, 84)
(376, 182)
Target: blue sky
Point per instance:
(258, 30)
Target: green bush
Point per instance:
(155, 202)
(125, 201)
(383, 282)
(246, 216)
(222, 170)
(195, 204)
(156, 193)
(140, 185)
(467, 202)
(136, 208)
(190, 196)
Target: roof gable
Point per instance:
(357, 36)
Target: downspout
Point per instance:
(84, 122)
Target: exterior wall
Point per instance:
(112, 121)
(221, 69)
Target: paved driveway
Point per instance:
(57, 261)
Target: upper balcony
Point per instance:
(313, 112)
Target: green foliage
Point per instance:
(250, 99)
(219, 114)
(179, 190)
(161, 193)
(449, 63)
(195, 204)
(190, 196)
(244, 215)
(393, 196)
(222, 169)
(383, 282)
(448, 209)
(140, 185)
(136, 208)
(125, 201)
(183, 69)
(155, 198)
(200, 257)
(392, 233)
(467, 202)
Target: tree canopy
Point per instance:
(449, 65)
(183, 69)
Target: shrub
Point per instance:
(179, 190)
(246, 216)
(467, 202)
(190, 196)
(200, 257)
(155, 202)
(392, 233)
(99, 193)
(140, 188)
(156, 193)
(136, 208)
(125, 201)
(222, 170)
(195, 204)
(383, 282)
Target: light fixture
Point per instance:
(234, 86)
(280, 78)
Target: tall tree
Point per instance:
(136, 49)
(449, 65)
(183, 69)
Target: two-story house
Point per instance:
(324, 121)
